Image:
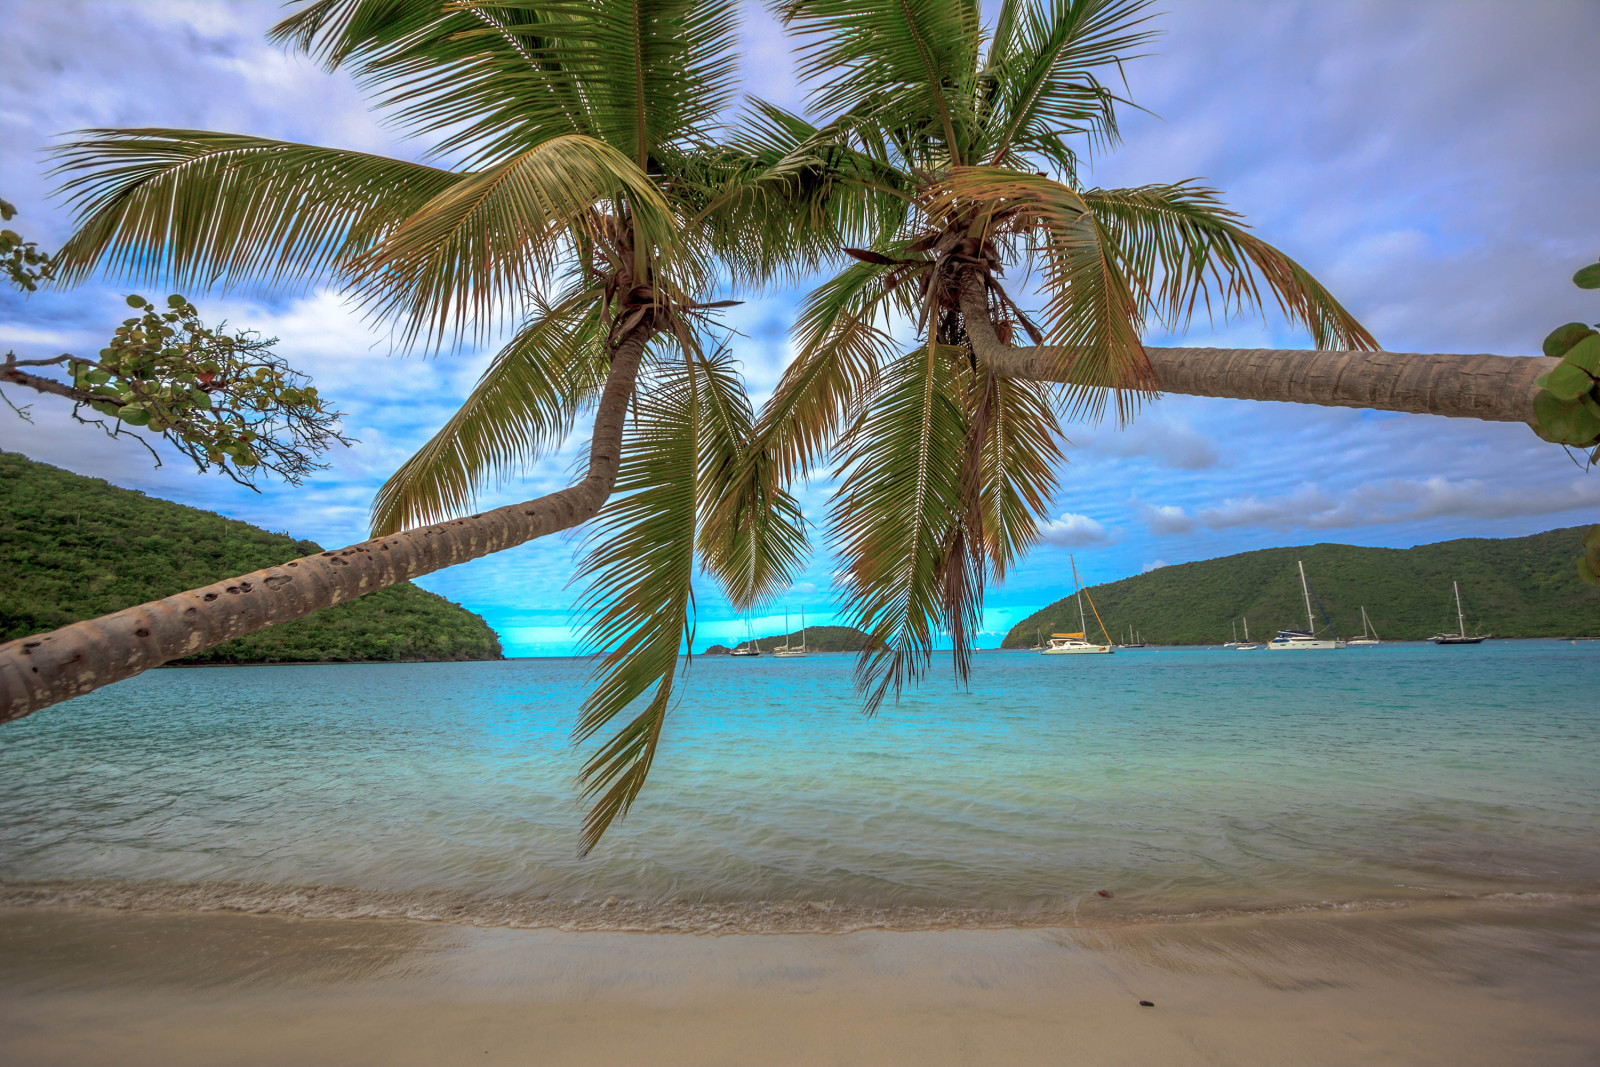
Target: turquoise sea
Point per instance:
(1176, 780)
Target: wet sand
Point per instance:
(1474, 983)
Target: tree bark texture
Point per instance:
(1493, 388)
(41, 670)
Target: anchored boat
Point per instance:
(1460, 636)
(786, 649)
(1077, 644)
(1369, 633)
(1307, 639)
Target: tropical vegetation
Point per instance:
(77, 548)
(1512, 587)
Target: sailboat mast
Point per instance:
(1461, 621)
(1311, 621)
(1247, 631)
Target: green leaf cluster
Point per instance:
(1512, 587)
(224, 399)
(21, 260)
(77, 548)
(1567, 407)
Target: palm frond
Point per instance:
(199, 208)
(907, 59)
(497, 77)
(1180, 247)
(896, 521)
(523, 406)
(1021, 453)
(752, 533)
(1092, 314)
(1046, 85)
(475, 252)
(638, 600)
(844, 342)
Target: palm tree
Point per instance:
(953, 154)
(582, 212)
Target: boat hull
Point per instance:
(1305, 646)
(1455, 639)
(1079, 650)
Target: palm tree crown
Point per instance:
(953, 155)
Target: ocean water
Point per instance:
(1178, 781)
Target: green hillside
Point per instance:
(817, 639)
(74, 548)
(1512, 587)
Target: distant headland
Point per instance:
(1511, 587)
(78, 548)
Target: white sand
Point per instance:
(1456, 985)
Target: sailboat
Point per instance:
(1235, 642)
(1460, 636)
(1307, 639)
(792, 650)
(1245, 645)
(751, 646)
(1076, 644)
(1369, 634)
(1134, 640)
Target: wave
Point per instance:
(660, 916)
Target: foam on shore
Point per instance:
(614, 914)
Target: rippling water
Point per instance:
(1177, 780)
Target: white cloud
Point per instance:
(1170, 443)
(1164, 519)
(1386, 502)
(1153, 565)
(1074, 531)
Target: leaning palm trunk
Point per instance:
(1493, 388)
(41, 670)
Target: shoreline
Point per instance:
(1458, 986)
(697, 917)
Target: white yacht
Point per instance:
(1304, 640)
(786, 649)
(1369, 633)
(1078, 644)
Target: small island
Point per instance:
(816, 639)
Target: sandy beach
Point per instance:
(1468, 983)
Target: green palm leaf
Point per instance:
(1180, 246)
(638, 599)
(897, 520)
(1021, 453)
(476, 251)
(200, 208)
(523, 406)
(752, 533)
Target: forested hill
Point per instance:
(1512, 587)
(817, 639)
(74, 548)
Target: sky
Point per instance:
(1435, 164)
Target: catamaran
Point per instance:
(1369, 633)
(1077, 644)
(1307, 639)
(786, 649)
(1460, 636)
